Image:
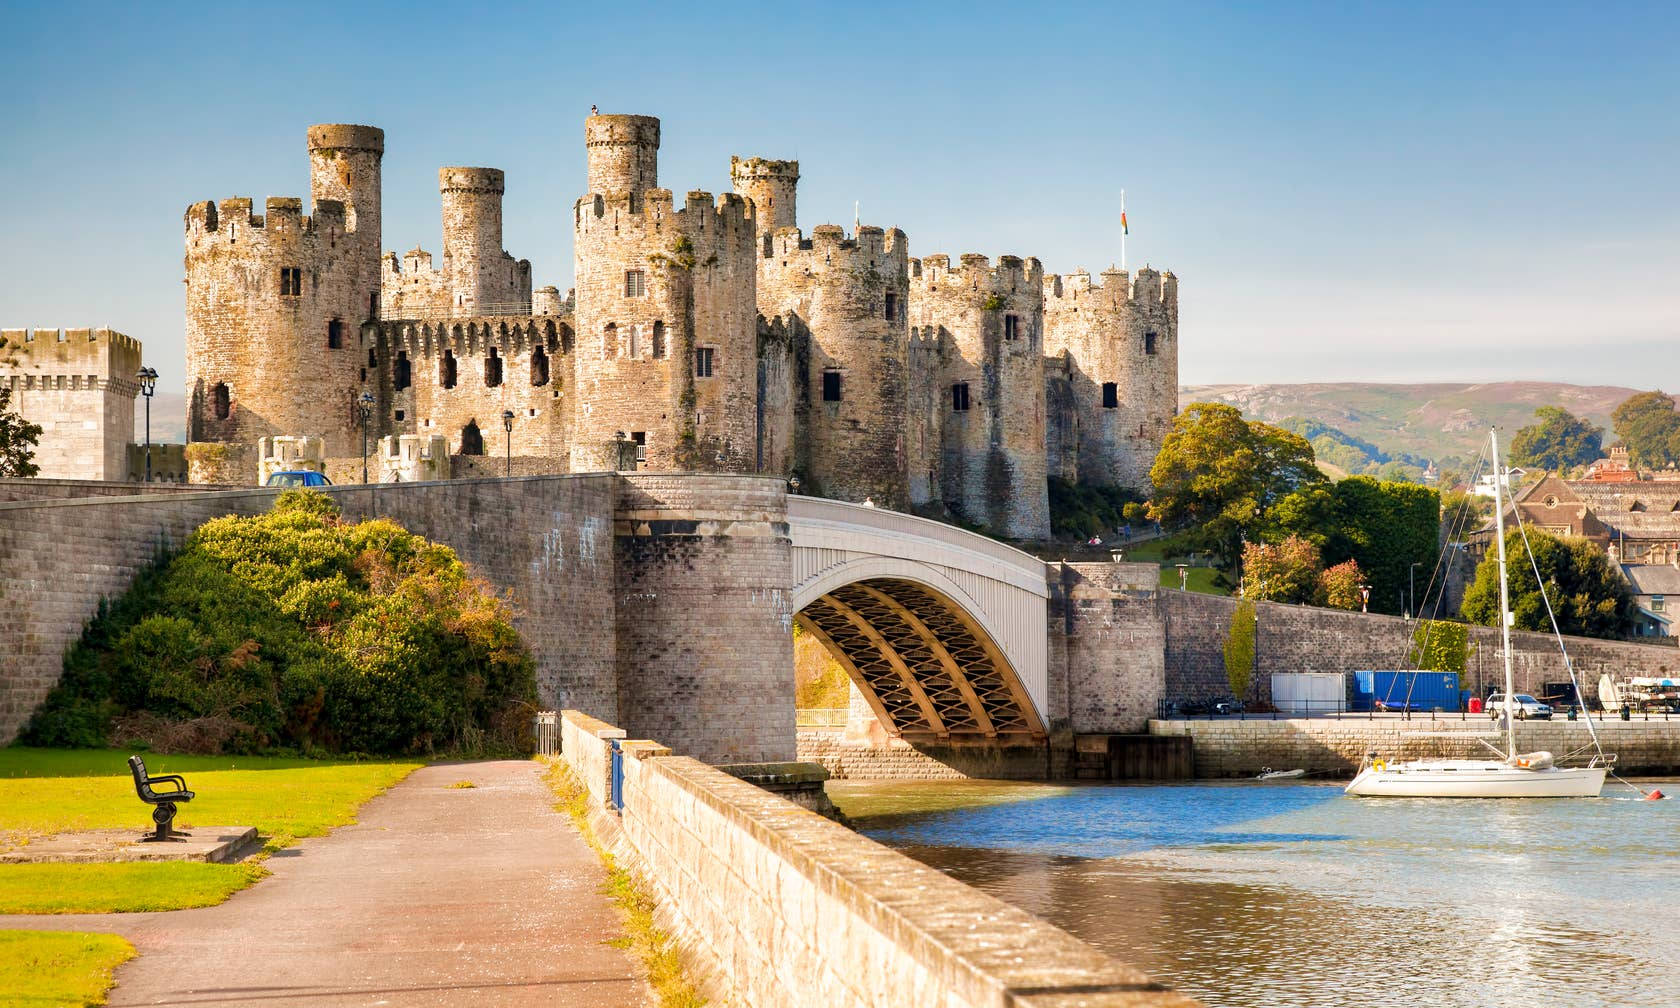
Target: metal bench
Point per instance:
(163, 802)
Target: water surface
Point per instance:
(1277, 896)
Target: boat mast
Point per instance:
(1504, 600)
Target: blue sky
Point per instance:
(1347, 191)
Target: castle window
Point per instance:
(446, 369)
(405, 374)
(1149, 343)
(291, 281)
(959, 397)
(1011, 327)
(372, 360)
(539, 367)
(221, 401)
(1111, 395)
(892, 305)
(492, 369)
(831, 386)
(609, 340)
(335, 334)
(399, 415)
(640, 437)
(658, 339)
(635, 283)
(472, 440)
(703, 357)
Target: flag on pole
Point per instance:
(1123, 228)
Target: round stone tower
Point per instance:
(846, 302)
(344, 165)
(988, 323)
(773, 186)
(472, 234)
(623, 153)
(667, 312)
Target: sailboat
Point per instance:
(1514, 775)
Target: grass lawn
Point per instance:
(58, 969)
(44, 791)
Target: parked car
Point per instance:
(1527, 707)
(297, 478)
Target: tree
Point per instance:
(1650, 428)
(1281, 572)
(1440, 646)
(1222, 474)
(18, 437)
(1589, 596)
(1464, 513)
(1239, 649)
(1338, 586)
(1385, 526)
(1557, 440)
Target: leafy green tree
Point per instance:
(1385, 526)
(1221, 474)
(1338, 586)
(1589, 596)
(1239, 649)
(1463, 513)
(1649, 426)
(1281, 572)
(1557, 440)
(18, 438)
(1440, 646)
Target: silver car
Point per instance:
(1527, 707)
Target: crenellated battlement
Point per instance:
(1011, 275)
(728, 214)
(472, 180)
(871, 248)
(104, 355)
(472, 336)
(346, 137)
(232, 220)
(1118, 290)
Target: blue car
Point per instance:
(298, 478)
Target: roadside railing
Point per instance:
(1228, 709)
(820, 717)
(545, 728)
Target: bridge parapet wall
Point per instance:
(788, 908)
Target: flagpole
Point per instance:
(1122, 229)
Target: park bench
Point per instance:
(163, 802)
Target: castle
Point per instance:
(713, 334)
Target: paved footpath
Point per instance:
(436, 896)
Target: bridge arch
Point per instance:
(942, 630)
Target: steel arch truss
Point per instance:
(925, 666)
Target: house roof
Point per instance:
(1653, 579)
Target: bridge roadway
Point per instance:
(942, 630)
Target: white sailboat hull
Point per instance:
(1475, 779)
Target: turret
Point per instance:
(344, 166)
(623, 153)
(472, 240)
(772, 186)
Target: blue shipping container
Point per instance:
(1415, 689)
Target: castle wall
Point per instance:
(694, 307)
(929, 400)
(79, 385)
(992, 471)
(1122, 331)
(839, 291)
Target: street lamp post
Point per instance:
(1183, 576)
(1364, 598)
(364, 406)
(148, 385)
(507, 425)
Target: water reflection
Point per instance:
(1296, 896)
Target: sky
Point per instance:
(1348, 192)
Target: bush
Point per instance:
(295, 629)
(1080, 511)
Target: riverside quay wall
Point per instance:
(1228, 747)
(659, 596)
(774, 905)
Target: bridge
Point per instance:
(942, 630)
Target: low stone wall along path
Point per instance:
(438, 895)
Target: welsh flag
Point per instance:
(1123, 228)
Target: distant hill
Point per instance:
(169, 418)
(1439, 422)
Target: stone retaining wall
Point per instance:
(896, 759)
(1337, 746)
(783, 907)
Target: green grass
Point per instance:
(1200, 580)
(46, 791)
(58, 969)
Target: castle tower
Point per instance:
(79, 385)
(623, 153)
(1119, 339)
(989, 326)
(772, 186)
(344, 166)
(845, 304)
(667, 313)
(482, 277)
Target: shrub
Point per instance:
(296, 629)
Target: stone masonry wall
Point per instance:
(1108, 616)
(781, 907)
(1307, 639)
(79, 385)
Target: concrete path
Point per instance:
(437, 896)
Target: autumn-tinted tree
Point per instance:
(1286, 571)
(1650, 428)
(1590, 598)
(1557, 440)
(1386, 526)
(1338, 586)
(1220, 475)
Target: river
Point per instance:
(1294, 896)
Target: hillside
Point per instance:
(169, 418)
(1431, 421)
